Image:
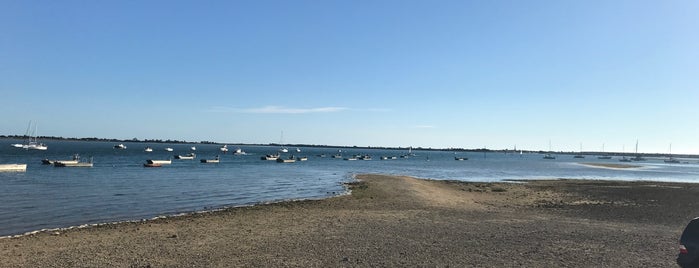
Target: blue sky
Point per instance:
(438, 74)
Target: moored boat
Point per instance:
(215, 160)
(188, 156)
(13, 167)
(148, 149)
(75, 159)
(152, 165)
(460, 158)
(224, 148)
(270, 157)
(159, 162)
(289, 159)
(73, 164)
(120, 146)
(169, 149)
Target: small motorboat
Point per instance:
(460, 158)
(215, 160)
(13, 167)
(169, 149)
(152, 165)
(271, 157)
(120, 146)
(73, 163)
(290, 159)
(75, 159)
(224, 149)
(159, 162)
(188, 156)
(148, 149)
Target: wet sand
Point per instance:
(397, 221)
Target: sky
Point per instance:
(440, 74)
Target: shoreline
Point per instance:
(396, 221)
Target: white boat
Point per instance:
(188, 156)
(13, 167)
(169, 149)
(671, 160)
(76, 158)
(302, 158)
(159, 162)
(36, 146)
(120, 146)
(193, 148)
(224, 148)
(239, 151)
(460, 158)
(298, 150)
(32, 142)
(73, 164)
(281, 142)
(271, 157)
(290, 159)
(148, 149)
(215, 160)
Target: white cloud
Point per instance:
(277, 110)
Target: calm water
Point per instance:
(119, 188)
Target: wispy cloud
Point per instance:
(424, 126)
(276, 110)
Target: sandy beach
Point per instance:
(397, 222)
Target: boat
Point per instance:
(298, 150)
(193, 148)
(302, 158)
(548, 155)
(188, 156)
(169, 149)
(73, 164)
(638, 157)
(215, 160)
(152, 165)
(604, 156)
(224, 148)
(282, 149)
(364, 157)
(159, 162)
(579, 155)
(239, 151)
(338, 155)
(75, 159)
(384, 157)
(671, 160)
(13, 167)
(120, 146)
(270, 157)
(624, 159)
(148, 149)
(353, 158)
(460, 158)
(32, 142)
(290, 159)
(321, 155)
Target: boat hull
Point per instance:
(13, 167)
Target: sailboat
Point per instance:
(33, 143)
(282, 149)
(638, 156)
(623, 158)
(671, 160)
(604, 156)
(580, 155)
(548, 155)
